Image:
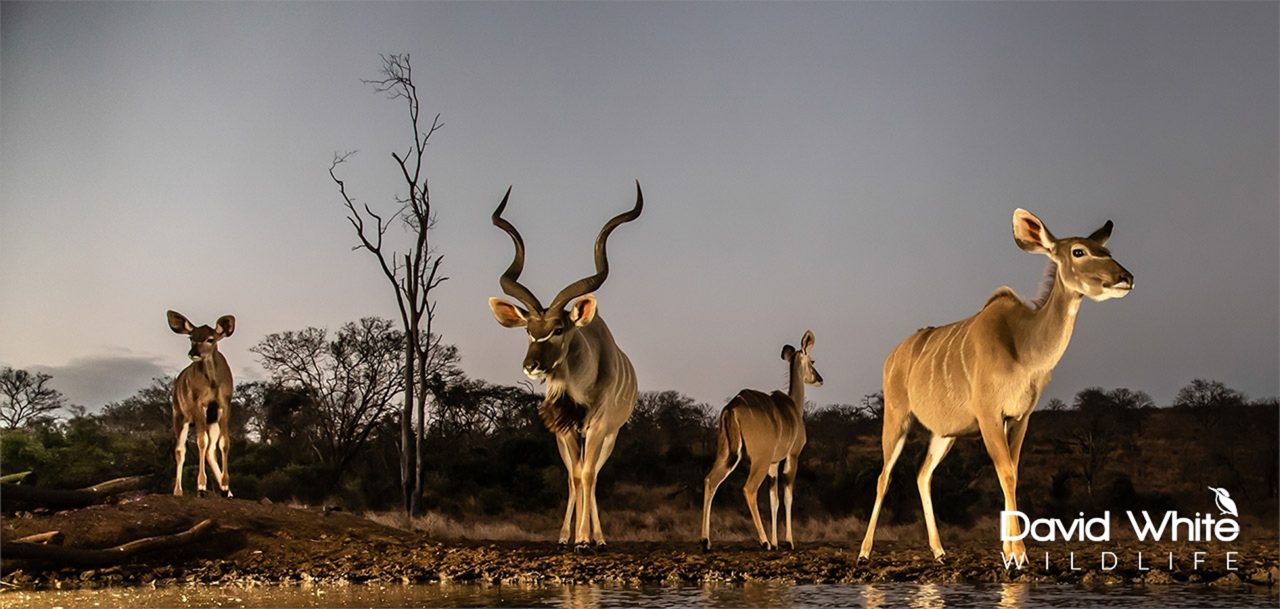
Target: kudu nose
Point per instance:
(531, 368)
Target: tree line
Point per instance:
(325, 428)
(379, 415)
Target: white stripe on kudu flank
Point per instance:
(964, 364)
(924, 357)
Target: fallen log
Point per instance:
(11, 494)
(85, 557)
(14, 478)
(53, 537)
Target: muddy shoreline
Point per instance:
(258, 544)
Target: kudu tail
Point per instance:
(728, 452)
(729, 444)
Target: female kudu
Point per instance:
(772, 429)
(202, 395)
(591, 386)
(986, 372)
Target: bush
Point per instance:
(23, 450)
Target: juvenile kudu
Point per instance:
(771, 427)
(202, 395)
(984, 374)
(590, 384)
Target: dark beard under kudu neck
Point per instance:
(562, 414)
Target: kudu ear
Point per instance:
(788, 352)
(1101, 235)
(178, 323)
(226, 326)
(1030, 233)
(583, 310)
(806, 343)
(507, 314)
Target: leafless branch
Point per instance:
(414, 273)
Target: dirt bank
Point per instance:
(257, 543)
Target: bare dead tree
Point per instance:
(412, 274)
(26, 398)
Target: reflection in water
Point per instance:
(716, 594)
(580, 597)
(871, 596)
(1013, 595)
(927, 596)
(762, 594)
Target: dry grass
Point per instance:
(639, 513)
(633, 514)
(662, 524)
(523, 527)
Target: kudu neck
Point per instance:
(796, 389)
(1051, 326)
(208, 366)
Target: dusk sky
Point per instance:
(849, 168)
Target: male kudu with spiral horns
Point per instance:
(590, 384)
(984, 374)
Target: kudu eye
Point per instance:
(557, 331)
(1078, 252)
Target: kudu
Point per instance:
(771, 427)
(202, 395)
(984, 374)
(590, 384)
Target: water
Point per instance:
(923, 596)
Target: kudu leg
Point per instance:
(202, 449)
(773, 505)
(594, 447)
(789, 484)
(571, 454)
(1017, 433)
(211, 453)
(938, 448)
(895, 435)
(751, 492)
(224, 445)
(179, 453)
(597, 532)
(727, 459)
(996, 442)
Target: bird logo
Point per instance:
(1225, 504)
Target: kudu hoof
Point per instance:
(941, 559)
(563, 546)
(863, 560)
(600, 547)
(583, 548)
(791, 546)
(764, 545)
(706, 545)
(201, 493)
